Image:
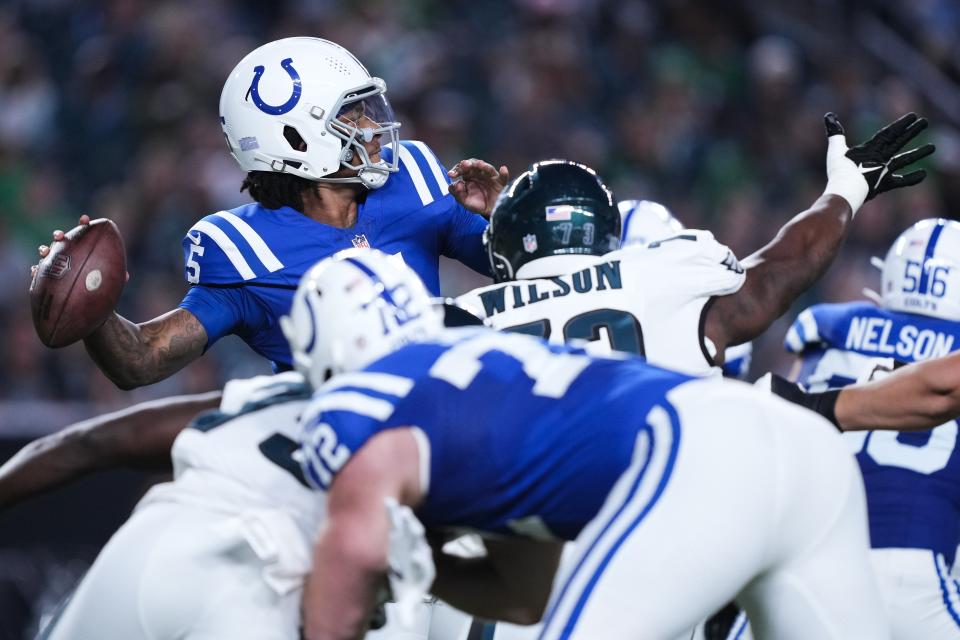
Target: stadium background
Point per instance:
(715, 109)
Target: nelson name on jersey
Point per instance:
(598, 277)
(904, 341)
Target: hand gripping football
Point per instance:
(77, 286)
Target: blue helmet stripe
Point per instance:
(928, 254)
(627, 220)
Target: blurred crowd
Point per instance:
(715, 109)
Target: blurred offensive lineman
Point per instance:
(325, 165)
(622, 456)
(680, 301)
(912, 479)
(645, 221)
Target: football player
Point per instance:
(222, 551)
(533, 444)
(912, 478)
(680, 301)
(325, 165)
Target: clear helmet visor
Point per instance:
(371, 110)
(366, 110)
(362, 115)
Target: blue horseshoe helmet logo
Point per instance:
(254, 90)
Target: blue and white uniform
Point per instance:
(912, 479)
(635, 463)
(244, 264)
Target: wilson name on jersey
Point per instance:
(244, 264)
(643, 299)
(239, 458)
(912, 479)
(516, 435)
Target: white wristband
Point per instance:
(844, 178)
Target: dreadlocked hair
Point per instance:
(274, 190)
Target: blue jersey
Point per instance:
(520, 436)
(912, 479)
(245, 264)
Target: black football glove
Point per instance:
(878, 158)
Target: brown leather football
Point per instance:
(78, 284)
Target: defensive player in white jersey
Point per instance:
(645, 221)
(631, 460)
(222, 551)
(912, 479)
(679, 302)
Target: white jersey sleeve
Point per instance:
(694, 264)
(684, 273)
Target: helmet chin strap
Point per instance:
(372, 178)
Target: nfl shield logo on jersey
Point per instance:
(530, 243)
(360, 242)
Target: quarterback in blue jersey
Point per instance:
(912, 478)
(532, 444)
(328, 171)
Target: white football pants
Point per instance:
(175, 572)
(732, 494)
(922, 598)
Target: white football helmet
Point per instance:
(921, 273)
(314, 91)
(353, 308)
(645, 221)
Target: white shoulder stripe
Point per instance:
(793, 341)
(408, 161)
(381, 382)
(438, 172)
(355, 402)
(221, 239)
(259, 247)
(809, 323)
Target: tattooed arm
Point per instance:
(134, 355)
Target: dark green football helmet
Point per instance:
(556, 207)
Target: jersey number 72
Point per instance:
(621, 328)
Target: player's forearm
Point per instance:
(920, 396)
(38, 468)
(138, 437)
(340, 592)
(512, 583)
(474, 586)
(134, 355)
(782, 270)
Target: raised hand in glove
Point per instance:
(859, 173)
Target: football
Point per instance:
(78, 284)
